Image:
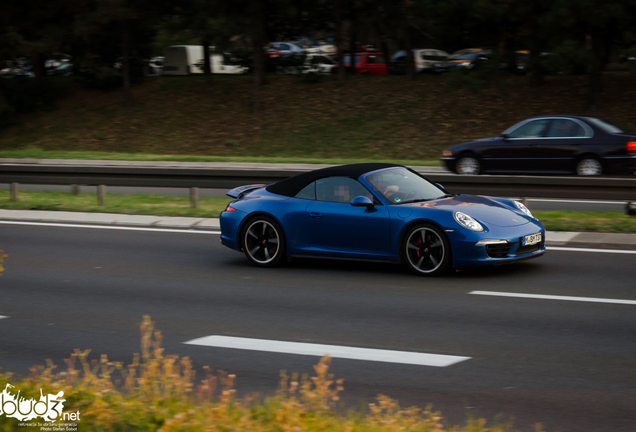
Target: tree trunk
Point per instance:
(410, 67)
(352, 49)
(38, 65)
(595, 70)
(128, 99)
(207, 67)
(341, 69)
(258, 43)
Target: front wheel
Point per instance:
(468, 165)
(426, 250)
(264, 242)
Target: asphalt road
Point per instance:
(534, 203)
(569, 365)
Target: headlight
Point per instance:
(467, 222)
(524, 209)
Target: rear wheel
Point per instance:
(264, 242)
(427, 250)
(468, 165)
(589, 166)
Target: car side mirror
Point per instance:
(362, 201)
(504, 136)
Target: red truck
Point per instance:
(367, 63)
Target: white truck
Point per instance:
(188, 59)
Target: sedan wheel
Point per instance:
(468, 165)
(589, 167)
(427, 250)
(264, 242)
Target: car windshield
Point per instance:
(611, 126)
(402, 186)
(347, 59)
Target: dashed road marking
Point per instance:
(335, 351)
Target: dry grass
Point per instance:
(371, 117)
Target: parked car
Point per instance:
(425, 60)
(465, 59)
(557, 144)
(378, 212)
(314, 46)
(287, 48)
(306, 63)
(366, 63)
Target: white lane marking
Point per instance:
(63, 225)
(191, 231)
(568, 249)
(335, 351)
(3, 316)
(554, 297)
(577, 201)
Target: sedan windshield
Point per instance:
(402, 186)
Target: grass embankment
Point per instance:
(158, 392)
(168, 205)
(146, 157)
(362, 118)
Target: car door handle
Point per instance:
(315, 215)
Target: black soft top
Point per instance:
(291, 186)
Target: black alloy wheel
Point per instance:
(264, 242)
(427, 250)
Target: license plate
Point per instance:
(532, 239)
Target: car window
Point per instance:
(532, 129)
(308, 192)
(611, 126)
(285, 47)
(398, 55)
(347, 58)
(428, 55)
(379, 59)
(339, 189)
(371, 59)
(564, 128)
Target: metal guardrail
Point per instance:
(610, 188)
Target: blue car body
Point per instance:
(314, 228)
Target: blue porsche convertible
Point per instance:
(378, 212)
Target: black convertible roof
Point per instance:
(291, 186)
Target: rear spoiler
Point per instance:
(242, 190)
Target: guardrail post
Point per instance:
(101, 195)
(14, 191)
(524, 201)
(194, 197)
(630, 208)
(75, 189)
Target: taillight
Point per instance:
(229, 208)
(631, 146)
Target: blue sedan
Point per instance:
(377, 212)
